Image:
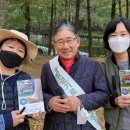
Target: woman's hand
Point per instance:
(123, 101)
(17, 118)
(37, 116)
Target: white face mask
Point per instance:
(119, 44)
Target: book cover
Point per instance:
(30, 96)
(125, 82)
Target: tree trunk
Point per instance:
(1, 14)
(120, 9)
(27, 19)
(77, 13)
(113, 9)
(51, 27)
(127, 9)
(54, 20)
(55, 11)
(69, 11)
(66, 10)
(89, 29)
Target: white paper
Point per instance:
(82, 116)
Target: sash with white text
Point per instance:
(71, 88)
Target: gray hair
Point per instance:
(67, 25)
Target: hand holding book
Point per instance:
(30, 96)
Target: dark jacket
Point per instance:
(111, 110)
(11, 99)
(89, 75)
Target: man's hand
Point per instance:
(73, 102)
(59, 105)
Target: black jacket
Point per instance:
(11, 99)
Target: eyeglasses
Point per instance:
(67, 40)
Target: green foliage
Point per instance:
(13, 16)
(40, 12)
(97, 34)
(98, 49)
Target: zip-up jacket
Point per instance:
(112, 111)
(11, 99)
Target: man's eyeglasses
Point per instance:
(68, 40)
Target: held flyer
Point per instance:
(125, 82)
(30, 96)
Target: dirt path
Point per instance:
(34, 69)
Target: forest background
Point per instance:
(36, 18)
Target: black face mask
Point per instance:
(10, 59)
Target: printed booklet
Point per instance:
(30, 96)
(125, 82)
